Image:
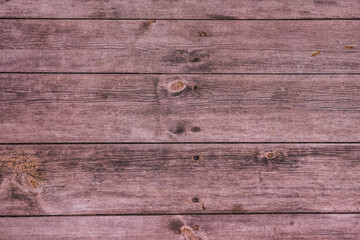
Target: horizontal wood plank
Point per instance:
(195, 9)
(180, 46)
(178, 108)
(172, 178)
(184, 227)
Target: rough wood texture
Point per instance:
(178, 108)
(184, 227)
(174, 9)
(172, 178)
(180, 46)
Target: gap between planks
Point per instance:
(194, 73)
(186, 19)
(171, 143)
(178, 214)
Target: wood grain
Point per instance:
(179, 46)
(173, 9)
(182, 227)
(172, 178)
(202, 108)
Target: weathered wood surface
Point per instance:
(172, 178)
(184, 227)
(180, 46)
(152, 108)
(198, 9)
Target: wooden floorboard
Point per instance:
(178, 108)
(180, 46)
(179, 178)
(212, 227)
(196, 9)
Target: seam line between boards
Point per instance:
(177, 143)
(183, 214)
(134, 73)
(180, 19)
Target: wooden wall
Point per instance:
(169, 119)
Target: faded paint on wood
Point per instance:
(209, 227)
(180, 46)
(174, 9)
(172, 178)
(178, 108)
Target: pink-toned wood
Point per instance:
(174, 9)
(211, 227)
(202, 108)
(230, 180)
(179, 178)
(179, 46)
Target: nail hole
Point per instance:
(195, 129)
(195, 227)
(195, 158)
(194, 59)
(202, 34)
(195, 199)
(147, 24)
(195, 87)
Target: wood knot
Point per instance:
(188, 234)
(32, 181)
(177, 86)
(202, 34)
(25, 167)
(195, 199)
(272, 155)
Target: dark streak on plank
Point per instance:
(184, 227)
(144, 179)
(178, 108)
(179, 46)
(198, 9)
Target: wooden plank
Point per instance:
(153, 108)
(184, 227)
(180, 46)
(172, 178)
(198, 9)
